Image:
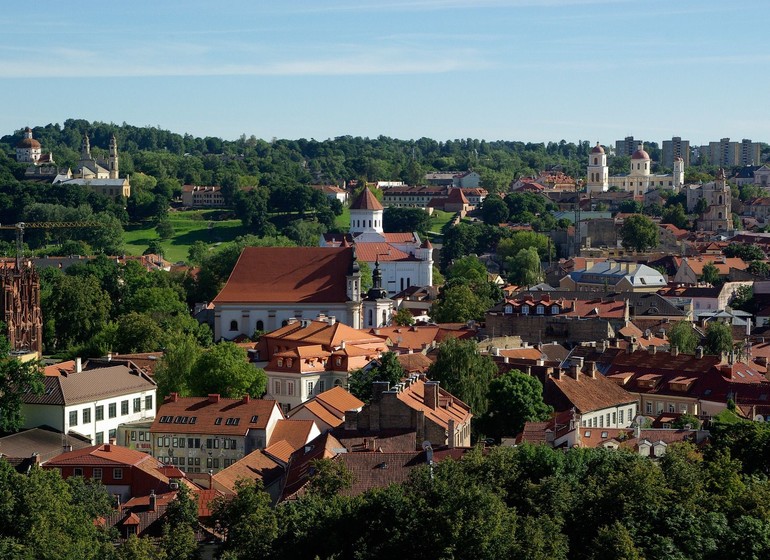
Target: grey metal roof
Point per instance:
(90, 385)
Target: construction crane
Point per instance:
(21, 226)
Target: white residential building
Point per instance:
(92, 402)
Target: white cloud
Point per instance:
(195, 60)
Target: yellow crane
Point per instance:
(21, 226)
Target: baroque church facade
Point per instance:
(639, 179)
(102, 177)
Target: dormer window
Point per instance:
(540, 310)
(554, 310)
(289, 361)
(508, 309)
(338, 361)
(525, 309)
(280, 362)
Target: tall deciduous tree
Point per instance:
(388, 369)
(224, 369)
(639, 233)
(683, 336)
(719, 338)
(514, 398)
(524, 268)
(247, 520)
(711, 275)
(464, 372)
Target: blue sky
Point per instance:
(531, 70)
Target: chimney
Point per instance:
(246, 399)
(674, 351)
(431, 394)
(213, 397)
(108, 446)
(109, 357)
(332, 320)
(506, 359)
(173, 397)
(574, 371)
(652, 349)
(495, 351)
(78, 365)
(699, 352)
(591, 369)
(153, 500)
(378, 388)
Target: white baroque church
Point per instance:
(639, 179)
(404, 260)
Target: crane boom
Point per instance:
(21, 226)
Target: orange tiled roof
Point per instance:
(449, 407)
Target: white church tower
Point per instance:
(598, 172)
(366, 214)
(678, 173)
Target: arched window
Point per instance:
(284, 323)
(384, 317)
(260, 325)
(233, 325)
(337, 383)
(371, 318)
(279, 363)
(720, 215)
(720, 199)
(289, 361)
(596, 161)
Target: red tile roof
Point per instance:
(384, 252)
(106, 454)
(399, 237)
(289, 275)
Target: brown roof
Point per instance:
(589, 393)
(366, 201)
(378, 470)
(417, 362)
(255, 465)
(90, 385)
(212, 415)
(289, 275)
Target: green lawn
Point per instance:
(343, 220)
(439, 219)
(189, 227)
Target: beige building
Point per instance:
(207, 434)
(194, 196)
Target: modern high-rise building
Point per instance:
(626, 147)
(728, 154)
(675, 148)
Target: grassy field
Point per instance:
(205, 225)
(189, 227)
